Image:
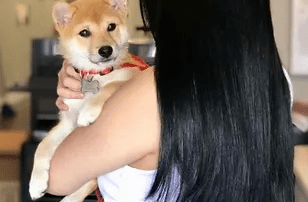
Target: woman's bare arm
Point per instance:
(127, 130)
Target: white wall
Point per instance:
(15, 40)
(2, 85)
(134, 19)
(281, 12)
(281, 20)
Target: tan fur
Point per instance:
(95, 16)
(88, 14)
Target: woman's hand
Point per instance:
(69, 84)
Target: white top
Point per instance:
(130, 184)
(290, 85)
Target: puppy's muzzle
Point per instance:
(105, 51)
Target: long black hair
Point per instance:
(224, 101)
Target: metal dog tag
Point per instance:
(89, 86)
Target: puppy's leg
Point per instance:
(44, 153)
(82, 192)
(92, 109)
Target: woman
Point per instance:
(212, 119)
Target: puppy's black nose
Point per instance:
(105, 51)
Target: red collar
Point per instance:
(136, 62)
(84, 73)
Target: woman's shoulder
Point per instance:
(145, 77)
(139, 89)
(135, 104)
(141, 84)
(131, 114)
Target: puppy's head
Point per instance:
(93, 33)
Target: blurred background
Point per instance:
(28, 77)
(28, 69)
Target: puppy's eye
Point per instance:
(85, 33)
(111, 27)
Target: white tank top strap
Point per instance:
(290, 85)
(129, 184)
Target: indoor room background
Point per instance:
(22, 21)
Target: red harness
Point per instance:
(137, 62)
(98, 195)
(141, 64)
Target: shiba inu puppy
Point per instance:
(93, 37)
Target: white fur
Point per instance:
(82, 112)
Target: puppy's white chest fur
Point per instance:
(76, 105)
(88, 108)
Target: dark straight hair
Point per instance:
(224, 101)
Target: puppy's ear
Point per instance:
(118, 4)
(62, 13)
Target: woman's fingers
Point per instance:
(70, 71)
(67, 71)
(69, 85)
(69, 94)
(61, 105)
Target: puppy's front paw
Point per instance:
(38, 183)
(88, 115)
